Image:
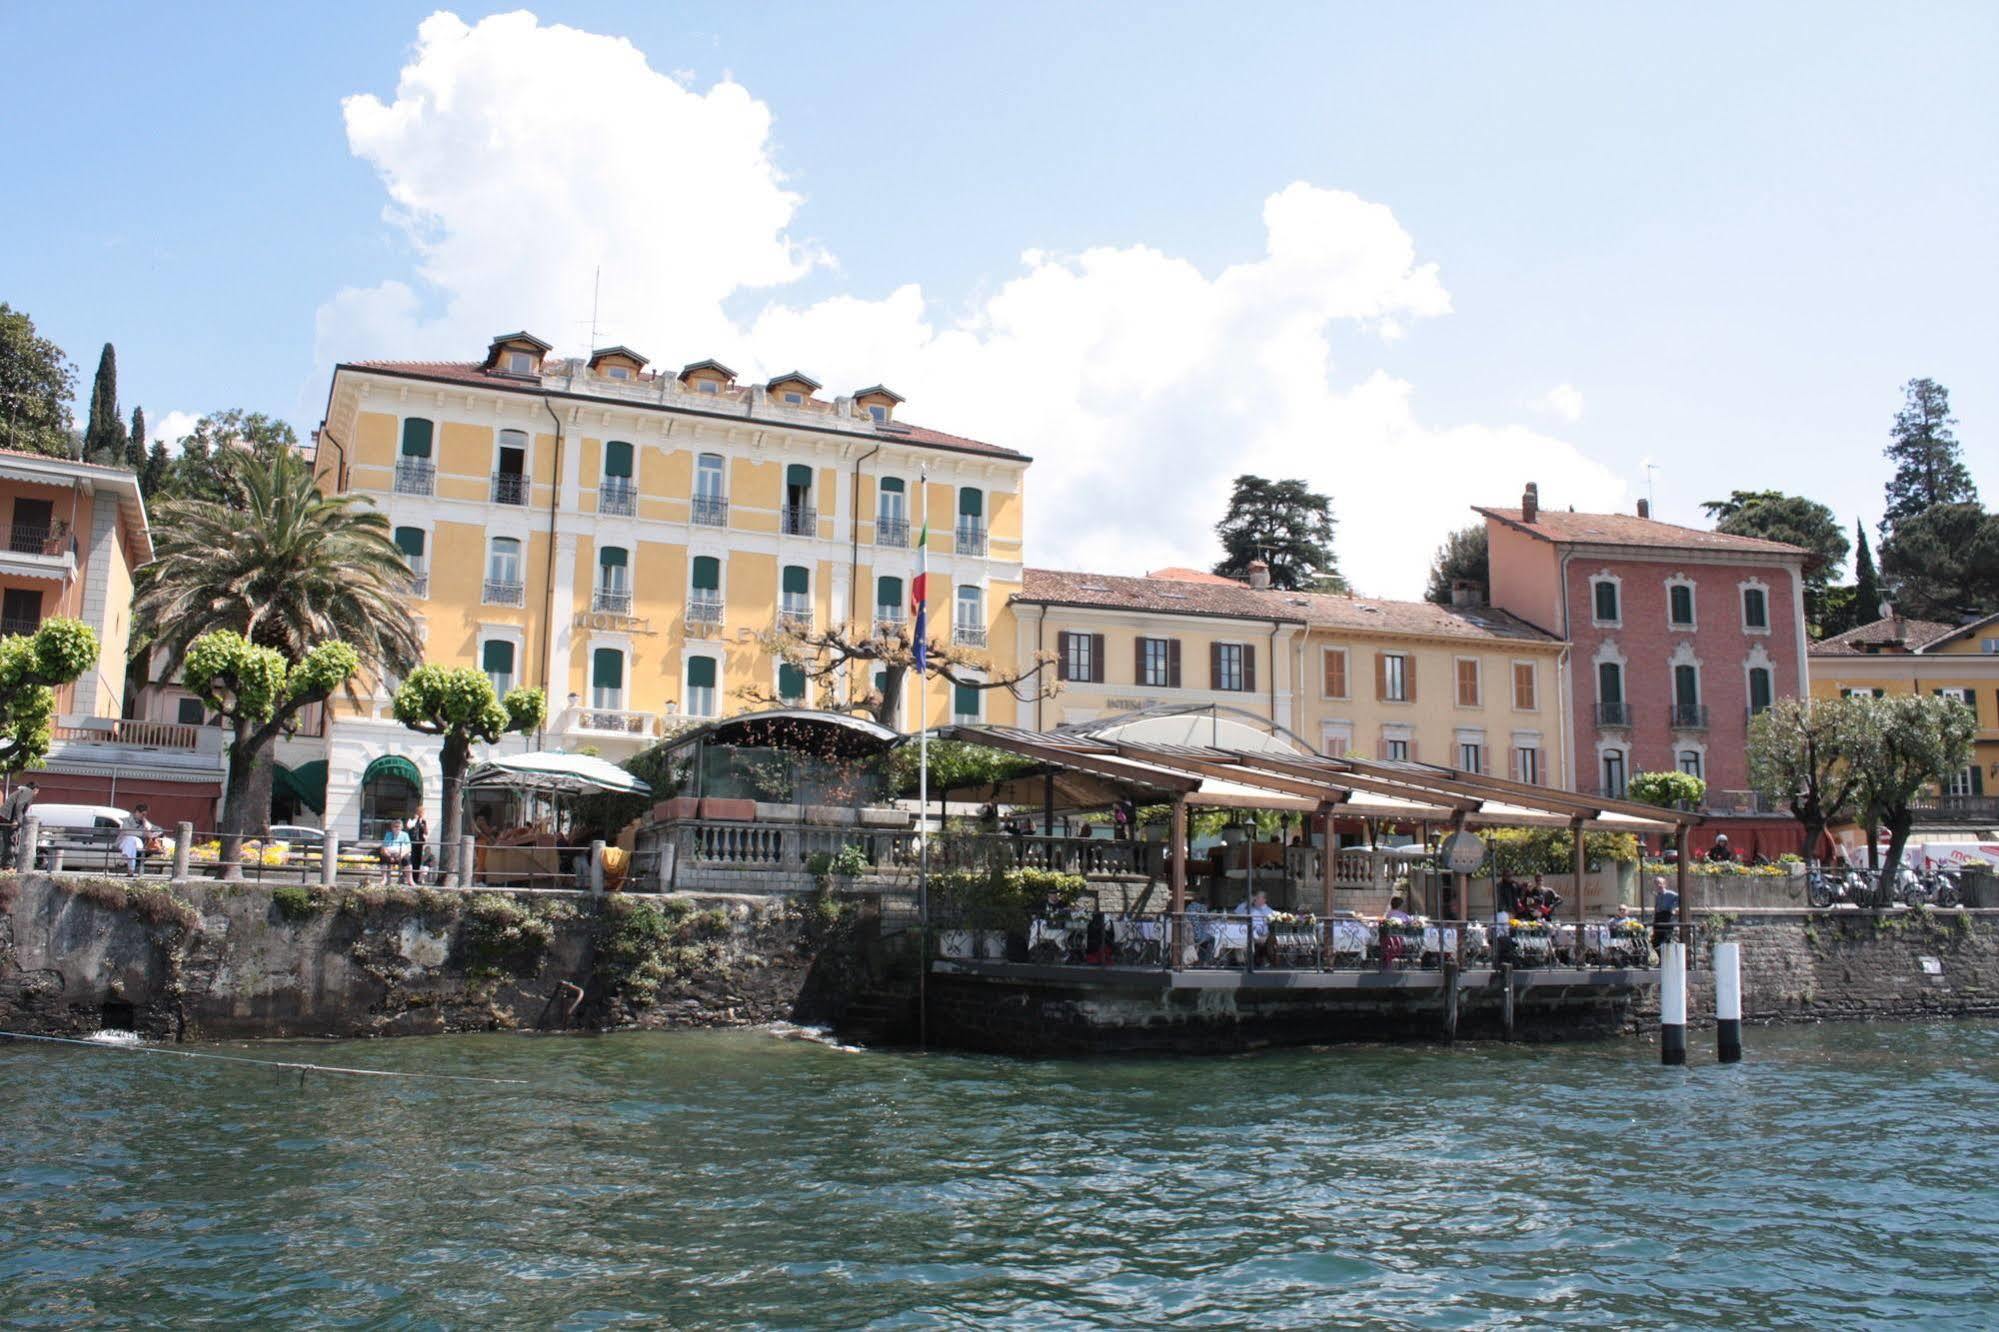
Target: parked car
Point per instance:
(86, 834)
(300, 836)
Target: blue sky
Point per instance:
(1726, 234)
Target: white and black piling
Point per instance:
(1728, 1003)
(1672, 1003)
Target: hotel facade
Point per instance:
(626, 540)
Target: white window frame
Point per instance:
(1623, 784)
(1693, 620)
(501, 633)
(1606, 576)
(687, 700)
(1395, 677)
(1691, 761)
(624, 650)
(1227, 681)
(1742, 591)
(520, 362)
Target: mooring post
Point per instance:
(31, 836)
(1672, 1003)
(467, 848)
(183, 848)
(55, 860)
(1450, 997)
(1506, 1000)
(597, 866)
(1728, 1002)
(329, 860)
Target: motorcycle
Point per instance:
(1848, 885)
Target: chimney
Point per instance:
(1530, 504)
(1466, 594)
(1259, 574)
(1644, 508)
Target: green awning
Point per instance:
(306, 783)
(392, 765)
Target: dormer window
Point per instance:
(794, 388)
(878, 402)
(520, 363)
(516, 354)
(879, 412)
(708, 386)
(620, 372)
(794, 399)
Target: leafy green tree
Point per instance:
(104, 432)
(1929, 469)
(282, 564)
(1775, 516)
(220, 449)
(259, 693)
(1668, 790)
(1799, 756)
(1943, 561)
(459, 705)
(1905, 745)
(1286, 525)
(1462, 556)
(31, 667)
(153, 475)
(36, 386)
(135, 441)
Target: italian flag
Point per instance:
(919, 598)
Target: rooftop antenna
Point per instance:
(596, 287)
(1651, 484)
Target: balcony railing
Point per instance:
(1613, 714)
(891, 531)
(12, 627)
(971, 538)
(616, 721)
(711, 511)
(970, 635)
(36, 539)
(617, 495)
(510, 488)
(416, 476)
(612, 600)
(795, 619)
(704, 612)
(420, 584)
(499, 592)
(1688, 716)
(1981, 809)
(891, 619)
(801, 520)
(139, 734)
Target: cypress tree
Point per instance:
(1929, 466)
(104, 435)
(154, 474)
(1866, 583)
(135, 443)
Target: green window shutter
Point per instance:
(1606, 601)
(1686, 686)
(971, 503)
(707, 573)
(790, 682)
(892, 485)
(617, 458)
(1683, 605)
(964, 701)
(416, 437)
(607, 669)
(612, 557)
(797, 580)
(701, 672)
(497, 658)
(409, 540)
(798, 477)
(888, 591)
(1609, 682)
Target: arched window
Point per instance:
(711, 504)
(700, 686)
(417, 434)
(892, 514)
(497, 660)
(391, 788)
(971, 534)
(614, 585)
(503, 573)
(607, 680)
(1759, 689)
(791, 683)
(1610, 710)
(888, 600)
(796, 608)
(410, 541)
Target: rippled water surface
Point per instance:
(1846, 1176)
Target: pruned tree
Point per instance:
(37, 383)
(885, 656)
(459, 706)
(259, 694)
(1288, 526)
(1462, 557)
(1905, 745)
(1668, 790)
(1800, 753)
(1929, 466)
(32, 666)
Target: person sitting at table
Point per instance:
(1395, 911)
(1054, 906)
(1257, 908)
(1098, 938)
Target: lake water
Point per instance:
(1844, 1177)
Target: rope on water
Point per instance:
(264, 1063)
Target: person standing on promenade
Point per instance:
(12, 811)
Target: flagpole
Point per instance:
(923, 766)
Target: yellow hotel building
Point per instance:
(621, 536)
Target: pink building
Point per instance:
(1678, 636)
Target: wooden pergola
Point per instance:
(1194, 775)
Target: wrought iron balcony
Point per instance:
(711, 511)
(510, 488)
(971, 538)
(795, 618)
(971, 635)
(612, 600)
(617, 495)
(1613, 714)
(704, 612)
(891, 619)
(500, 592)
(419, 582)
(12, 627)
(416, 476)
(1688, 716)
(801, 520)
(891, 531)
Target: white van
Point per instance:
(87, 834)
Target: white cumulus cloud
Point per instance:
(172, 428)
(1564, 401)
(1140, 384)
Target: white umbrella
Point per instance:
(570, 774)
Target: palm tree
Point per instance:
(287, 567)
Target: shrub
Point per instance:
(503, 934)
(1528, 851)
(1002, 899)
(295, 903)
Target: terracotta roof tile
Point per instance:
(1182, 575)
(1894, 632)
(1622, 529)
(1422, 618)
(1169, 596)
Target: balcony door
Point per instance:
(34, 523)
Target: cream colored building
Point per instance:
(621, 537)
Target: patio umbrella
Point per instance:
(555, 773)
